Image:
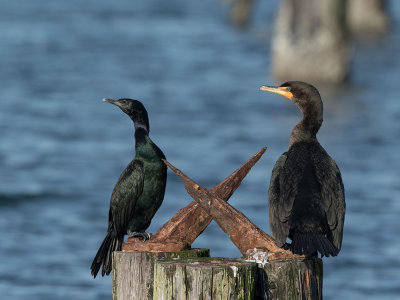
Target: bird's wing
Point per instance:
(333, 196)
(291, 168)
(279, 229)
(126, 191)
(291, 177)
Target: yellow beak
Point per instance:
(281, 90)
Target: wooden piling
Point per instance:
(240, 12)
(368, 18)
(191, 275)
(296, 279)
(309, 42)
(133, 272)
(206, 279)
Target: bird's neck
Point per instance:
(141, 121)
(308, 127)
(144, 147)
(141, 126)
(141, 136)
(141, 129)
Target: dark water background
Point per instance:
(62, 149)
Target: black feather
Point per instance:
(306, 194)
(139, 191)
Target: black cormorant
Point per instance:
(139, 191)
(306, 195)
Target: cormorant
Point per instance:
(139, 191)
(306, 195)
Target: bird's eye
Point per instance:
(288, 89)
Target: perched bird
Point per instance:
(306, 195)
(139, 191)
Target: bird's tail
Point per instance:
(310, 243)
(104, 255)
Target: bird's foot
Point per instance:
(143, 235)
(286, 246)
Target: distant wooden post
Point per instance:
(367, 17)
(240, 12)
(309, 41)
(133, 272)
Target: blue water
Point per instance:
(62, 149)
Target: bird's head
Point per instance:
(304, 95)
(134, 109)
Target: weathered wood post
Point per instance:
(133, 272)
(302, 279)
(225, 278)
(290, 279)
(206, 279)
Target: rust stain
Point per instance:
(134, 244)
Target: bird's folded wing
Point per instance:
(279, 229)
(333, 196)
(125, 194)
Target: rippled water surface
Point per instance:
(62, 149)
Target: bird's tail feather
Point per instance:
(104, 255)
(310, 243)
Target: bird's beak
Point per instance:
(281, 90)
(112, 101)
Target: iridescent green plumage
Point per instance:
(139, 191)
